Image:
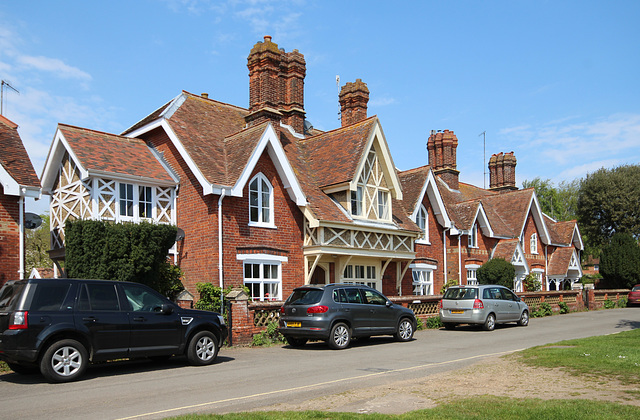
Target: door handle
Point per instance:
(89, 319)
(139, 319)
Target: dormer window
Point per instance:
(473, 236)
(260, 201)
(356, 202)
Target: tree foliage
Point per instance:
(123, 252)
(608, 203)
(620, 262)
(497, 271)
(36, 244)
(561, 202)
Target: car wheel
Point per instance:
(405, 330)
(340, 336)
(64, 361)
(22, 369)
(296, 342)
(203, 349)
(449, 326)
(490, 323)
(524, 319)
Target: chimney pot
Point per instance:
(205, 95)
(267, 38)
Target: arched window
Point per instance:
(260, 201)
(422, 220)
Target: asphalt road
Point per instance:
(249, 378)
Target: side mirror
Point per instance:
(389, 304)
(166, 309)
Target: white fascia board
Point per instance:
(10, 186)
(207, 188)
(131, 179)
(577, 237)
(386, 161)
(431, 189)
(483, 220)
(54, 158)
(534, 208)
(270, 142)
(524, 258)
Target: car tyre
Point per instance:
(296, 342)
(64, 361)
(524, 319)
(202, 349)
(405, 330)
(340, 336)
(490, 323)
(449, 326)
(22, 369)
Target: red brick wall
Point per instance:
(9, 237)
(198, 217)
(468, 256)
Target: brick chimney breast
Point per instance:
(353, 98)
(276, 85)
(502, 172)
(442, 146)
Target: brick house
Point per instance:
(268, 202)
(18, 180)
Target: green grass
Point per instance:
(616, 356)
(470, 408)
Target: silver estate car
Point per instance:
(486, 305)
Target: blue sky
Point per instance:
(554, 81)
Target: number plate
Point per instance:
(457, 312)
(293, 324)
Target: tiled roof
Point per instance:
(559, 261)
(512, 210)
(342, 148)
(412, 182)
(14, 158)
(561, 232)
(505, 249)
(98, 151)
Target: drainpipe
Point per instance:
(220, 250)
(459, 259)
(444, 243)
(21, 228)
(546, 270)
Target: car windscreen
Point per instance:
(305, 297)
(9, 295)
(461, 293)
(636, 289)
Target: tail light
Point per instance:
(18, 320)
(477, 304)
(440, 304)
(282, 310)
(320, 309)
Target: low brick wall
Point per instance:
(596, 298)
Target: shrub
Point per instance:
(531, 283)
(448, 284)
(609, 304)
(620, 261)
(269, 336)
(434, 322)
(622, 302)
(420, 324)
(564, 308)
(544, 309)
(497, 271)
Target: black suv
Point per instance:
(60, 325)
(338, 312)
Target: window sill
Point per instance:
(262, 225)
(422, 242)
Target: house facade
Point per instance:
(268, 202)
(18, 180)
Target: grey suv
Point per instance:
(337, 313)
(486, 305)
(59, 325)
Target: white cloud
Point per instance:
(53, 65)
(382, 101)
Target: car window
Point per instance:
(142, 299)
(305, 297)
(49, 296)
(353, 295)
(339, 296)
(461, 293)
(10, 294)
(508, 294)
(373, 298)
(492, 293)
(635, 289)
(98, 297)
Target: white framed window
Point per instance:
(126, 200)
(361, 274)
(472, 274)
(473, 236)
(422, 220)
(422, 275)
(145, 202)
(383, 205)
(356, 202)
(263, 275)
(533, 243)
(260, 202)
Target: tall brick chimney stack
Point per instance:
(276, 85)
(502, 172)
(442, 147)
(353, 98)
